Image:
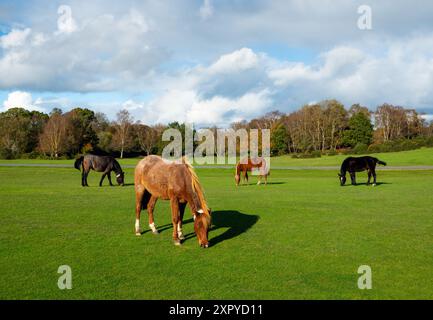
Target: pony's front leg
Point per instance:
(260, 180)
(102, 179)
(175, 219)
(150, 207)
(353, 178)
(85, 178)
(109, 178)
(179, 224)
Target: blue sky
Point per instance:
(213, 62)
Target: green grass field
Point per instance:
(423, 156)
(300, 237)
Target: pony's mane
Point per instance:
(196, 186)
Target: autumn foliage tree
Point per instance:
(53, 140)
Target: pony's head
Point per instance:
(342, 179)
(120, 178)
(237, 179)
(202, 223)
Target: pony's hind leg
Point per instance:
(179, 224)
(139, 192)
(174, 203)
(150, 207)
(374, 177)
(85, 174)
(369, 177)
(141, 200)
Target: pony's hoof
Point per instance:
(138, 233)
(204, 245)
(181, 237)
(374, 184)
(155, 232)
(176, 242)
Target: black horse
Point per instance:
(104, 164)
(353, 164)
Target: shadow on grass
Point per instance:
(262, 184)
(365, 184)
(128, 184)
(236, 222)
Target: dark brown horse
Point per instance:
(104, 164)
(175, 181)
(358, 164)
(248, 165)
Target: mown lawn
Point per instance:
(302, 236)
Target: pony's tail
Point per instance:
(381, 162)
(196, 187)
(78, 163)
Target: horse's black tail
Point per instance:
(78, 163)
(381, 162)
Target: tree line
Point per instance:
(326, 127)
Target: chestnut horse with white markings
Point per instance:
(175, 181)
(250, 164)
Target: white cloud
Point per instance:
(20, 99)
(236, 61)
(15, 38)
(105, 53)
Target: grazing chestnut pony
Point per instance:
(104, 164)
(175, 181)
(357, 164)
(250, 164)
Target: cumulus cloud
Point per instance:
(20, 99)
(15, 38)
(104, 53)
(216, 68)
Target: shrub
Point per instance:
(360, 148)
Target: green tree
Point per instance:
(360, 130)
(279, 140)
(80, 130)
(19, 131)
